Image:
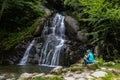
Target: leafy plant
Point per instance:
(101, 19)
(25, 12)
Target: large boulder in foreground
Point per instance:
(57, 70)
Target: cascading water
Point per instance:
(53, 41)
(25, 57)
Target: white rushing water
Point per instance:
(53, 36)
(53, 41)
(26, 54)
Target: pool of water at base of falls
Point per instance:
(17, 70)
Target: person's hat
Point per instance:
(88, 50)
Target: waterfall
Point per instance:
(53, 36)
(25, 57)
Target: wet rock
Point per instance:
(57, 70)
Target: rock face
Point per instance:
(14, 55)
(81, 36)
(72, 27)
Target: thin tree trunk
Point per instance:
(2, 8)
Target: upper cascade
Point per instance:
(54, 36)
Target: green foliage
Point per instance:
(19, 14)
(99, 61)
(73, 8)
(101, 18)
(3, 3)
(117, 66)
(117, 61)
(18, 21)
(37, 78)
(14, 38)
(109, 64)
(72, 3)
(109, 76)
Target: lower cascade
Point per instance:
(25, 57)
(53, 39)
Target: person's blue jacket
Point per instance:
(90, 56)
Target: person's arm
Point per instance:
(88, 56)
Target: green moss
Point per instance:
(48, 78)
(77, 68)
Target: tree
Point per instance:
(2, 7)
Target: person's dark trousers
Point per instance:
(86, 62)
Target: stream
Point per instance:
(10, 71)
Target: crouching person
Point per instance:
(89, 58)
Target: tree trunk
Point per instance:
(2, 8)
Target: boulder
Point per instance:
(99, 74)
(81, 36)
(38, 75)
(71, 27)
(38, 29)
(57, 70)
(26, 76)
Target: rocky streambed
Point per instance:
(74, 72)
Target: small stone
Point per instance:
(81, 79)
(69, 78)
(49, 75)
(78, 72)
(110, 69)
(103, 68)
(39, 75)
(99, 74)
(89, 77)
(76, 76)
(25, 76)
(69, 74)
